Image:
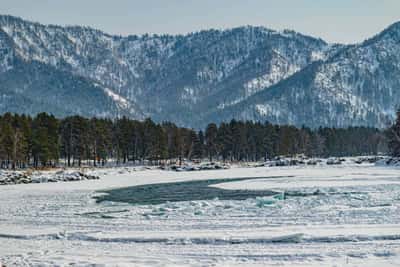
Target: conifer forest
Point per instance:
(45, 140)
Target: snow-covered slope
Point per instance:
(246, 72)
(6, 53)
(357, 86)
(33, 85)
(165, 76)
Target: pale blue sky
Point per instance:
(345, 21)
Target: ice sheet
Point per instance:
(329, 216)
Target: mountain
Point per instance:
(359, 85)
(30, 86)
(214, 75)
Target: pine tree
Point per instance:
(100, 141)
(66, 139)
(6, 140)
(225, 141)
(393, 134)
(196, 147)
(123, 132)
(45, 146)
(211, 140)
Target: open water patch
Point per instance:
(154, 194)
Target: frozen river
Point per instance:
(295, 216)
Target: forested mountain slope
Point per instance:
(214, 75)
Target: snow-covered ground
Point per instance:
(344, 215)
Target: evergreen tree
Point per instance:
(45, 145)
(225, 141)
(393, 134)
(211, 140)
(196, 147)
(100, 141)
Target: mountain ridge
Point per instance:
(215, 75)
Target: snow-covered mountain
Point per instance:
(359, 85)
(246, 72)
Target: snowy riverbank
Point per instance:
(35, 176)
(332, 215)
(9, 177)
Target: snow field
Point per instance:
(321, 216)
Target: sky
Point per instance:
(335, 21)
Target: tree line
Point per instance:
(43, 140)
